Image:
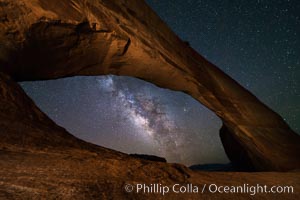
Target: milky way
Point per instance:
(132, 116)
(147, 114)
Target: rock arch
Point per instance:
(44, 39)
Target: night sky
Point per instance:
(255, 42)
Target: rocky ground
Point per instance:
(81, 174)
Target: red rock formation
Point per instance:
(44, 39)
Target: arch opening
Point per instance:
(132, 116)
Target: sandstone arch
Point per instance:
(44, 39)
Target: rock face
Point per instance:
(22, 124)
(42, 39)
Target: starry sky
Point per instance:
(255, 42)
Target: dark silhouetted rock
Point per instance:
(214, 167)
(149, 157)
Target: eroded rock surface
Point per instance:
(42, 39)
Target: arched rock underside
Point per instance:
(42, 39)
